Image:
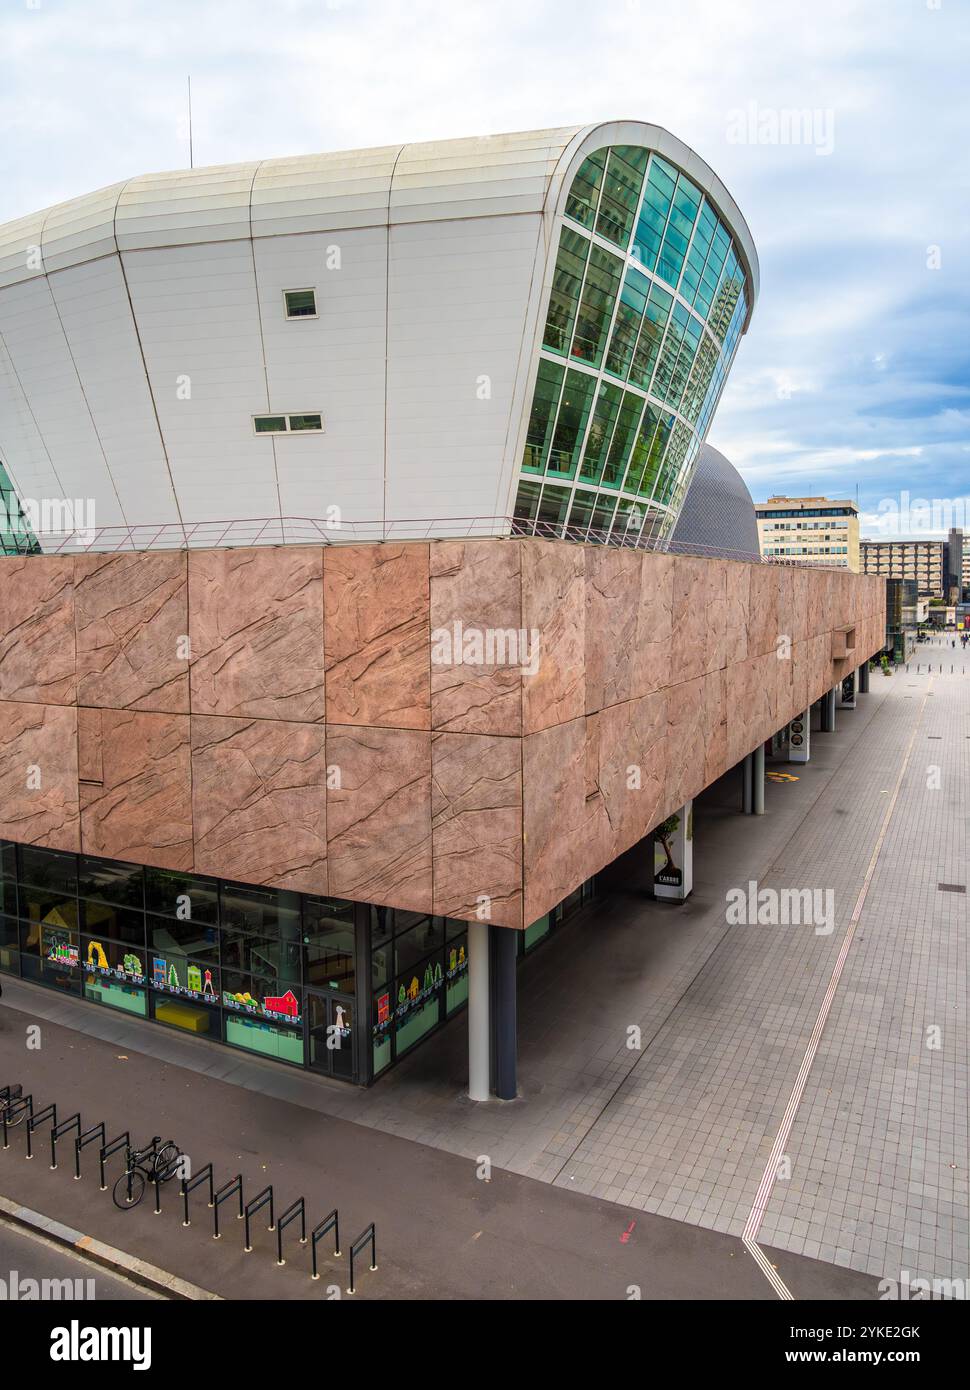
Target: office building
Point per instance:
(811, 530)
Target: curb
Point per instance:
(138, 1271)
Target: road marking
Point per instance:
(627, 1233)
(753, 1224)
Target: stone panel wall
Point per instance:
(427, 726)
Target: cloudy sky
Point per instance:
(856, 371)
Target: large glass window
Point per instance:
(604, 275)
(612, 313)
(584, 194)
(600, 433)
(545, 402)
(567, 284)
(577, 398)
(621, 194)
(329, 944)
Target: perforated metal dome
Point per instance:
(718, 514)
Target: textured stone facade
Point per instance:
(298, 716)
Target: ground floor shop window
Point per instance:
(269, 1040)
(272, 972)
(115, 994)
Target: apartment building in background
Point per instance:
(923, 561)
(810, 530)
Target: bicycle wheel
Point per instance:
(167, 1161)
(129, 1190)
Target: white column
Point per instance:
(478, 1031)
(673, 876)
(800, 738)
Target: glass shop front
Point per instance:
(342, 988)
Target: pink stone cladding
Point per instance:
(282, 715)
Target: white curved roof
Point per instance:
(142, 330)
(393, 184)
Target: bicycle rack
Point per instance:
(368, 1234)
(329, 1223)
(122, 1141)
(58, 1131)
(19, 1104)
(298, 1209)
(230, 1189)
(189, 1185)
(49, 1112)
(25, 1103)
(82, 1141)
(253, 1206)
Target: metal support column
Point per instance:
(864, 678)
(478, 1008)
(747, 793)
(503, 1002)
(758, 780)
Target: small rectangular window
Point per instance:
(300, 304)
(287, 424)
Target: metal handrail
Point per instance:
(286, 530)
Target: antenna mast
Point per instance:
(191, 157)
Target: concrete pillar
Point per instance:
(864, 678)
(746, 792)
(800, 738)
(758, 780)
(828, 712)
(503, 1001)
(478, 1002)
(846, 691)
(673, 876)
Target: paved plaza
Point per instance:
(841, 1052)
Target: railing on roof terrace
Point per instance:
(241, 532)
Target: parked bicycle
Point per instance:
(8, 1096)
(142, 1166)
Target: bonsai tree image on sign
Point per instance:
(668, 872)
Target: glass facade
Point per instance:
(343, 988)
(16, 537)
(648, 301)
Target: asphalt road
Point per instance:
(25, 1257)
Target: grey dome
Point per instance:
(718, 513)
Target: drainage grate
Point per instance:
(952, 887)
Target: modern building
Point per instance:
(410, 341)
(303, 742)
(920, 560)
(955, 566)
(902, 618)
(811, 530)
